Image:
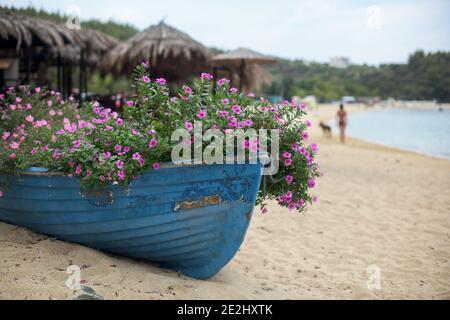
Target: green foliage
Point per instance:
(424, 77)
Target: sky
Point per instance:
(373, 32)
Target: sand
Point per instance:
(378, 208)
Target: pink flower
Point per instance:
(289, 179)
(312, 183)
(60, 131)
(152, 132)
(141, 162)
(34, 151)
(130, 103)
(223, 81)
(18, 100)
(247, 123)
(107, 154)
(233, 90)
(37, 90)
(305, 135)
(153, 143)
(78, 169)
(309, 123)
(1, 194)
(146, 64)
(187, 89)
(29, 118)
(156, 166)
(188, 125)
(206, 76)
(119, 122)
(102, 178)
(314, 199)
(88, 173)
(49, 103)
(236, 109)
(314, 147)
(121, 175)
(6, 135)
(12, 155)
(119, 164)
(287, 155)
(14, 145)
(225, 101)
(126, 149)
(118, 148)
(76, 143)
(292, 206)
(288, 162)
(136, 156)
(145, 79)
(201, 114)
(161, 81)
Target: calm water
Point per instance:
(423, 131)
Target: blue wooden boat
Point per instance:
(189, 218)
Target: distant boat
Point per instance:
(192, 219)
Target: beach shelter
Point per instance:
(241, 61)
(28, 43)
(172, 53)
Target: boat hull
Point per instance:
(192, 219)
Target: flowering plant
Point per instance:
(101, 147)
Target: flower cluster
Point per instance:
(101, 147)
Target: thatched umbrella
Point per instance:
(51, 42)
(242, 59)
(171, 53)
(20, 31)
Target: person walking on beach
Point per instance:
(342, 121)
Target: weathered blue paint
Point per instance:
(151, 220)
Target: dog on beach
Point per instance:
(326, 129)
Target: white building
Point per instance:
(339, 62)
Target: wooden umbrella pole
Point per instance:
(80, 90)
(241, 76)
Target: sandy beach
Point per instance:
(377, 207)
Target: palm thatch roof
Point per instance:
(20, 31)
(244, 63)
(243, 54)
(171, 53)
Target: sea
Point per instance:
(425, 131)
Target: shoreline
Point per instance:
(328, 119)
